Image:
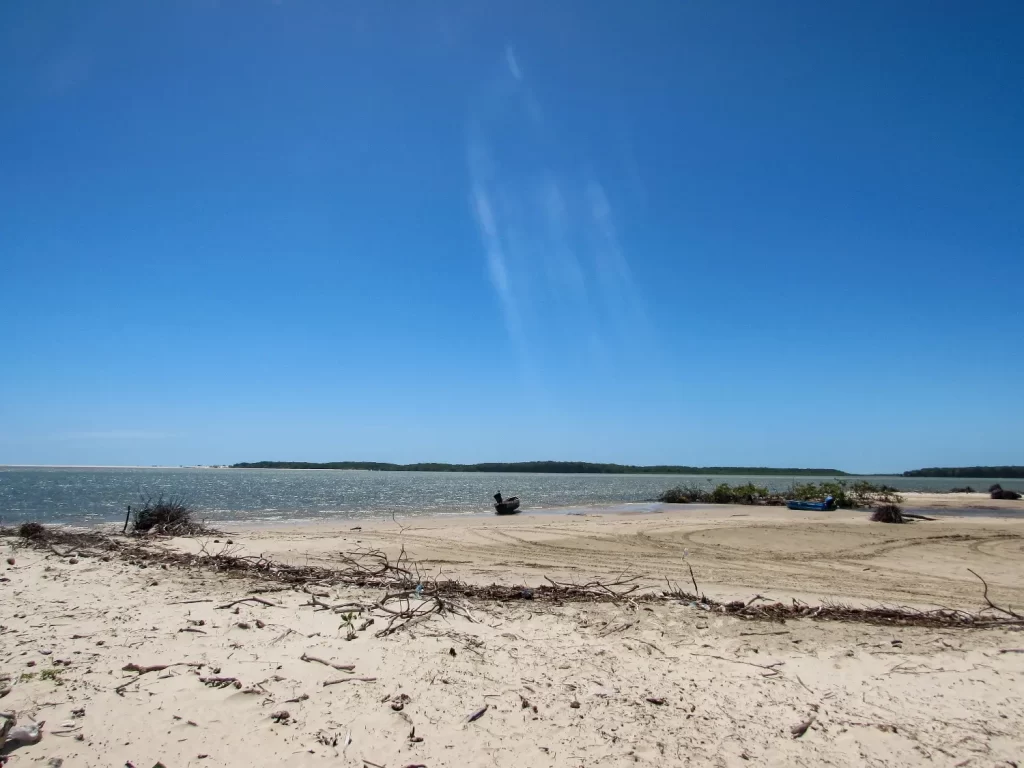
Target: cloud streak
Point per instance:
(550, 236)
(492, 240)
(513, 63)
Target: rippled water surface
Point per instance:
(95, 495)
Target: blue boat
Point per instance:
(828, 505)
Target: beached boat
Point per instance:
(509, 506)
(828, 505)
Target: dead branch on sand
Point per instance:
(220, 682)
(617, 588)
(993, 606)
(772, 669)
(259, 600)
(342, 667)
(141, 670)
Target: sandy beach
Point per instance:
(570, 684)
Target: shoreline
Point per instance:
(972, 505)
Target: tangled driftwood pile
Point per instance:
(412, 595)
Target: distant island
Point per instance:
(966, 472)
(559, 467)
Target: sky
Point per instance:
(696, 233)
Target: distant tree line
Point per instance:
(566, 467)
(966, 472)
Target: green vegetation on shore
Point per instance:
(565, 467)
(846, 495)
(966, 472)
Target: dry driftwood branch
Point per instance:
(779, 632)
(772, 668)
(339, 608)
(696, 589)
(342, 667)
(882, 614)
(802, 683)
(349, 680)
(604, 588)
(259, 600)
(143, 670)
(992, 605)
(221, 682)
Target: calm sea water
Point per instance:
(87, 496)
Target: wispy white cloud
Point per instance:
(491, 237)
(513, 62)
(552, 244)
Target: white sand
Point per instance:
(880, 695)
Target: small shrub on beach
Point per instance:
(847, 496)
(51, 673)
(31, 530)
(997, 492)
(171, 517)
(689, 494)
(722, 494)
(888, 513)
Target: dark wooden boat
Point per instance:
(509, 506)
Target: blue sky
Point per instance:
(695, 233)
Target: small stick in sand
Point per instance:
(349, 680)
(133, 667)
(342, 667)
(696, 590)
(478, 714)
(772, 671)
(142, 670)
(993, 606)
(221, 682)
(259, 600)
